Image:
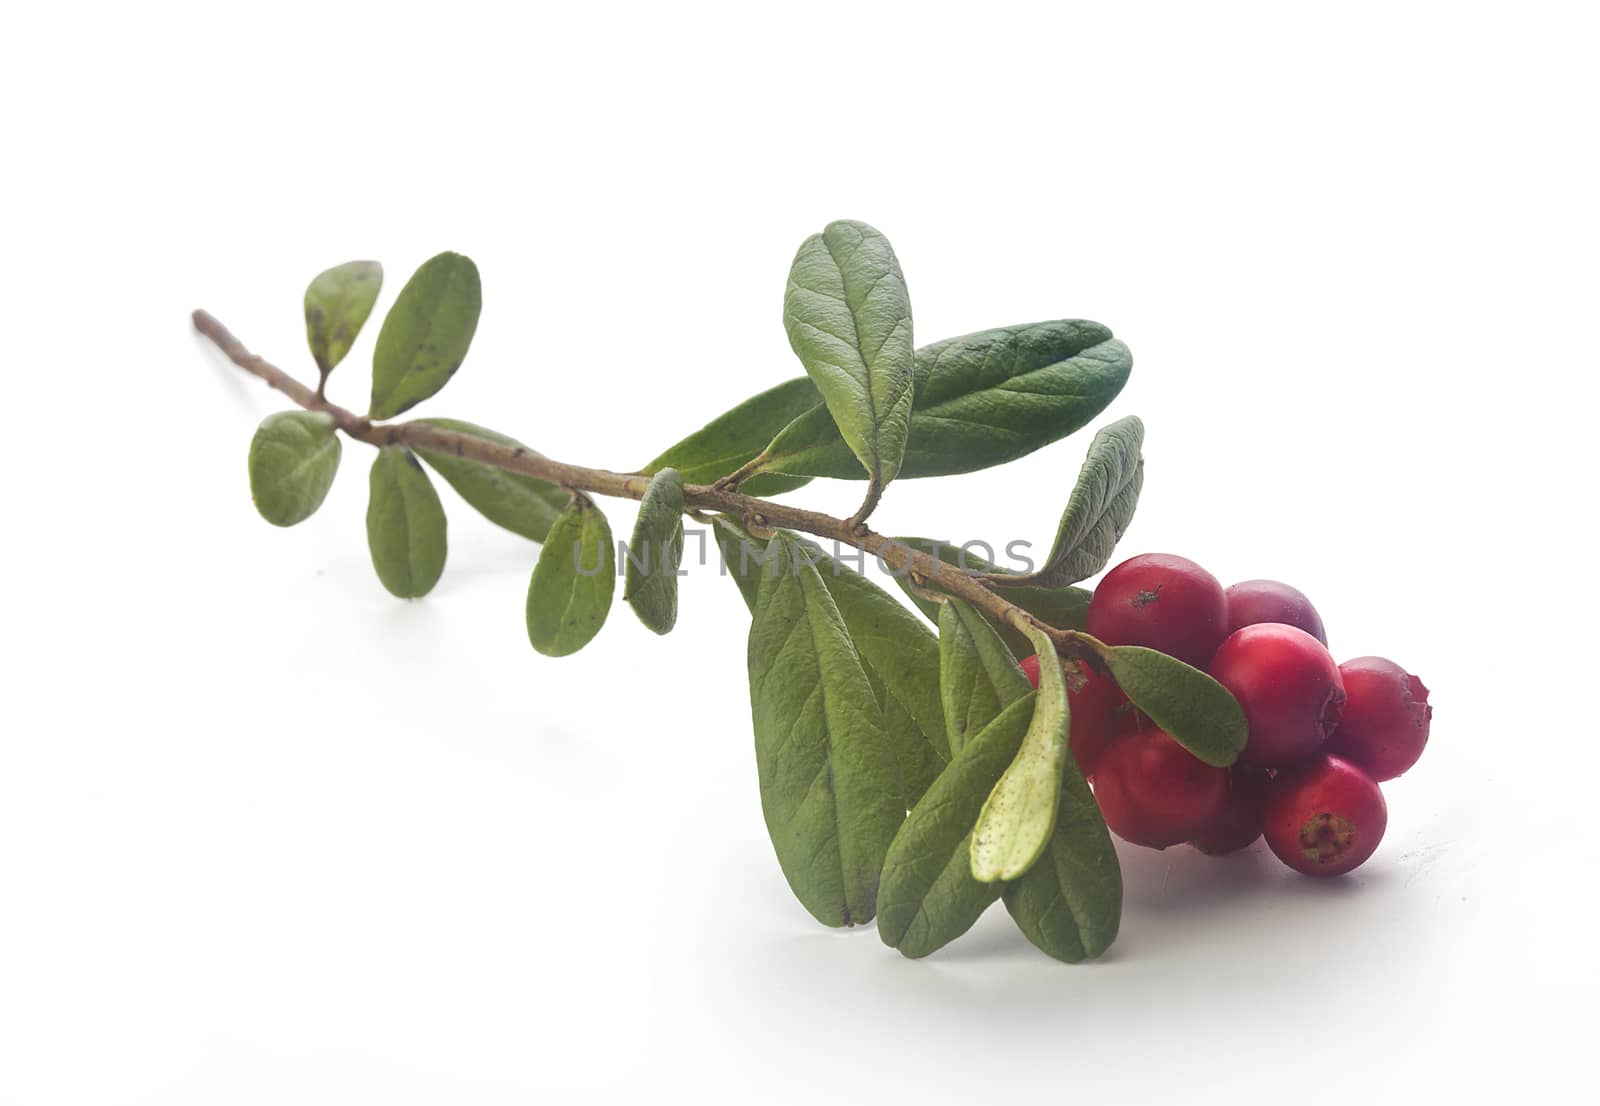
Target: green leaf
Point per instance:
(928, 896)
(978, 676)
(1196, 710)
(1069, 904)
(849, 321)
(900, 656)
(1062, 608)
(338, 302)
(902, 662)
(980, 400)
(293, 458)
(654, 553)
(405, 524)
(1020, 812)
(1100, 507)
(570, 592)
(522, 504)
(426, 334)
(829, 788)
(734, 438)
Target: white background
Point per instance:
(268, 835)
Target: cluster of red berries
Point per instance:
(1322, 735)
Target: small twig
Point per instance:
(739, 475)
(764, 514)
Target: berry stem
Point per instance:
(898, 557)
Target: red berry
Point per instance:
(1325, 816)
(1161, 602)
(1289, 687)
(1239, 824)
(1155, 792)
(1386, 717)
(1255, 601)
(1100, 711)
(1030, 669)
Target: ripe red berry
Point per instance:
(1154, 792)
(1030, 669)
(1162, 602)
(1386, 718)
(1239, 824)
(1324, 816)
(1255, 601)
(1100, 712)
(1289, 687)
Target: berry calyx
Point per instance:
(1325, 816)
(1386, 717)
(1099, 711)
(1289, 687)
(1255, 601)
(1162, 602)
(1154, 792)
(1239, 823)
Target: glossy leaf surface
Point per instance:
(1100, 507)
(1020, 813)
(294, 457)
(405, 524)
(522, 504)
(569, 594)
(426, 334)
(337, 303)
(1196, 710)
(830, 789)
(929, 896)
(980, 400)
(849, 321)
(651, 581)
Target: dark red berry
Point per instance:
(1386, 718)
(1154, 792)
(1099, 709)
(1162, 602)
(1240, 821)
(1324, 816)
(1289, 687)
(1255, 601)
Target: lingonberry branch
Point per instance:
(925, 569)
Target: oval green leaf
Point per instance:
(569, 594)
(978, 675)
(338, 302)
(830, 791)
(522, 504)
(294, 457)
(1196, 710)
(928, 896)
(1100, 507)
(651, 585)
(1062, 608)
(405, 525)
(426, 334)
(734, 438)
(980, 400)
(1020, 813)
(848, 316)
(1069, 904)
(900, 655)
